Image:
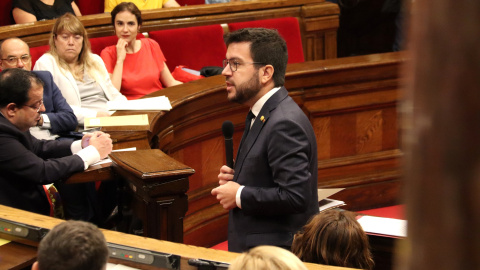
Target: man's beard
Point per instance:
(247, 90)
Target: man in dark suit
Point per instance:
(58, 117)
(272, 192)
(26, 164)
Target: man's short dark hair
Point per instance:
(267, 46)
(73, 245)
(15, 84)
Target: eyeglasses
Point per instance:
(234, 64)
(13, 60)
(36, 107)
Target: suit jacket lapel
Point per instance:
(261, 119)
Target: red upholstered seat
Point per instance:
(193, 47)
(288, 29)
(190, 2)
(88, 7)
(6, 17)
(99, 43)
(221, 246)
(36, 52)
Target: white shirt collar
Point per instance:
(259, 104)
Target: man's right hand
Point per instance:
(225, 175)
(102, 142)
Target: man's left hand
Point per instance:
(226, 194)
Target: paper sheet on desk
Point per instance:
(3, 242)
(111, 266)
(145, 104)
(327, 192)
(384, 226)
(115, 121)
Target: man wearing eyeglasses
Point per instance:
(272, 190)
(58, 117)
(26, 164)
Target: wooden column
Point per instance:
(443, 128)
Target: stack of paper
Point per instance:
(114, 121)
(325, 203)
(145, 104)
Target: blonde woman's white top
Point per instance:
(68, 86)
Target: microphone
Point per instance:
(227, 130)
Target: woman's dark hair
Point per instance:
(334, 238)
(127, 6)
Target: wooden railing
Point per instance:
(318, 20)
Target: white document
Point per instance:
(115, 121)
(324, 203)
(327, 192)
(149, 104)
(111, 266)
(384, 226)
(327, 204)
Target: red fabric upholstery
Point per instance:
(193, 47)
(36, 52)
(6, 17)
(190, 2)
(88, 7)
(221, 246)
(99, 43)
(288, 29)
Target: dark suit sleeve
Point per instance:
(62, 118)
(288, 164)
(20, 164)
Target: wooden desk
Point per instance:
(185, 251)
(17, 256)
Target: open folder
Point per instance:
(325, 203)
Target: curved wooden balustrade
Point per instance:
(318, 20)
(351, 102)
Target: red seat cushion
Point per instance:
(190, 2)
(193, 47)
(288, 28)
(88, 7)
(221, 246)
(36, 52)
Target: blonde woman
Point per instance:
(267, 258)
(80, 75)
